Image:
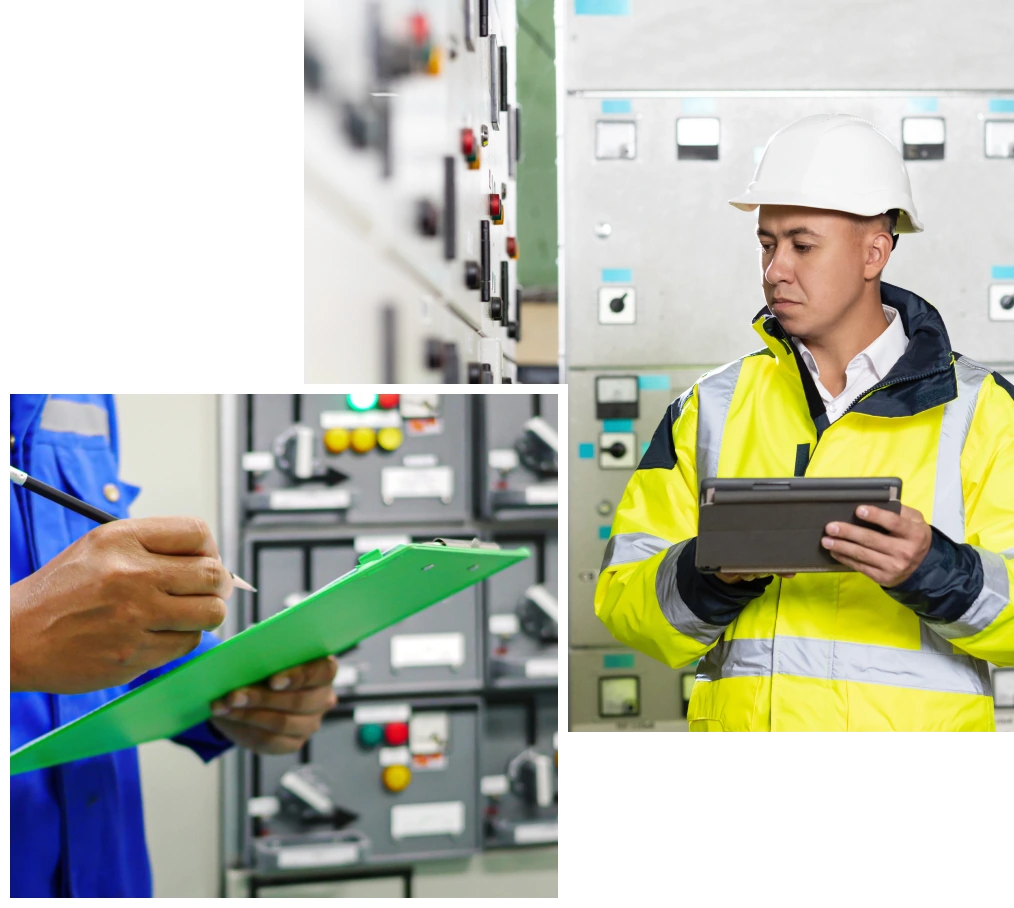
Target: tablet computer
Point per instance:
(764, 526)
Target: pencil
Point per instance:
(21, 478)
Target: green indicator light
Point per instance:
(361, 401)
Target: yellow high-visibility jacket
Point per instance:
(829, 651)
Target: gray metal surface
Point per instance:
(838, 43)
(693, 258)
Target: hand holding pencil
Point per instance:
(129, 596)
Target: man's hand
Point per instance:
(886, 558)
(126, 597)
(277, 716)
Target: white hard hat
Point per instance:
(833, 161)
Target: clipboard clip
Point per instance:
(465, 543)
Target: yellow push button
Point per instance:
(390, 438)
(363, 440)
(111, 491)
(337, 440)
(396, 778)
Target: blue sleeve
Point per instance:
(202, 739)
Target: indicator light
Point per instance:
(396, 733)
(360, 401)
(396, 778)
(337, 440)
(389, 438)
(370, 735)
(363, 440)
(512, 247)
(388, 401)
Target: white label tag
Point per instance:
(428, 733)
(352, 419)
(529, 833)
(446, 818)
(394, 756)
(309, 499)
(541, 668)
(418, 650)
(294, 599)
(346, 676)
(408, 482)
(503, 459)
(318, 855)
(428, 762)
(265, 806)
(420, 460)
(542, 493)
(362, 544)
(430, 426)
(258, 461)
(504, 625)
(494, 786)
(381, 715)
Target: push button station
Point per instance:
(370, 735)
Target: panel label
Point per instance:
(258, 461)
(504, 625)
(382, 714)
(309, 499)
(337, 853)
(428, 733)
(529, 833)
(394, 756)
(422, 650)
(407, 482)
(447, 818)
(364, 544)
(542, 493)
(494, 786)
(541, 668)
(353, 419)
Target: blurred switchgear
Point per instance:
(412, 137)
(444, 741)
(659, 275)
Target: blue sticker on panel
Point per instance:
(922, 105)
(602, 7)
(653, 382)
(586, 451)
(618, 660)
(604, 532)
(698, 105)
(617, 425)
(617, 275)
(644, 447)
(1001, 105)
(615, 106)
(1003, 272)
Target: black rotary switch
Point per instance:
(496, 309)
(617, 303)
(472, 275)
(1007, 302)
(617, 449)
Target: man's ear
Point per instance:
(878, 251)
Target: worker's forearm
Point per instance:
(946, 583)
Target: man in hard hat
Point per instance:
(855, 378)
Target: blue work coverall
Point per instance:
(77, 829)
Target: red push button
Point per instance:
(420, 29)
(396, 733)
(468, 148)
(388, 401)
(512, 247)
(495, 206)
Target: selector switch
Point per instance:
(496, 309)
(617, 305)
(427, 218)
(617, 450)
(473, 279)
(1001, 302)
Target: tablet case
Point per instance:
(382, 590)
(763, 526)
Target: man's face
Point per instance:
(814, 265)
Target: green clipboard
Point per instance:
(381, 591)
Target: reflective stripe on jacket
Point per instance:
(76, 829)
(829, 651)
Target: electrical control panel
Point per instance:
(311, 483)
(519, 763)
(412, 135)
(518, 477)
(359, 457)
(522, 618)
(380, 782)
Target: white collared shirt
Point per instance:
(866, 368)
